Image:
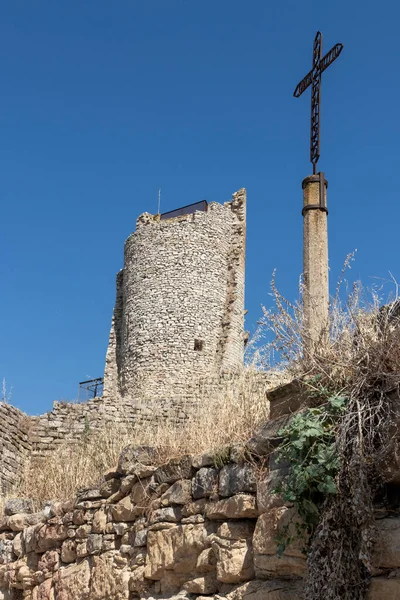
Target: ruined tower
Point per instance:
(179, 312)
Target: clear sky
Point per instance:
(104, 102)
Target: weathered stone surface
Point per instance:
(270, 525)
(6, 551)
(177, 548)
(169, 514)
(73, 582)
(203, 460)
(205, 483)
(178, 493)
(240, 506)
(386, 550)
(180, 468)
(110, 487)
(194, 508)
(49, 537)
(99, 521)
(234, 560)
(110, 579)
(268, 590)
(206, 561)
(21, 521)
(234, 478)
(286, 399)
(125, 510)
(267, 498)
(14, 506)
(88, 494)
(68, 551)
(135, 457)
(206, 584)
(381, 588)
(236, 530)
(267, 438)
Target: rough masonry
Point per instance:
(179, 312)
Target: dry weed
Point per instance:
(229, 416)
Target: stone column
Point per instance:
(315, 263)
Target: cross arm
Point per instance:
(303, 85)
(326, 61)
(330, 57)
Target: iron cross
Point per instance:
(313, 78)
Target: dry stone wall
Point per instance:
(179, 311)
(196, 527)
(15, 445)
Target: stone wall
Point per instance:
(196, 527)
(179, 310)
(14, 445)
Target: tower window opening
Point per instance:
(198, 345)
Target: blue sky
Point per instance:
(104, 102)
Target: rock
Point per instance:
(20, 522)
(18, 545)
(170, 514)
(6, 551)
(73, 582)
(207, 561)
(177, 548)
(68, 551)
(266, 438)
(15, 506)
(241, 506)
(110, 487)
(236, 530)
(205, 483)
(125, 510)
(269, 527)
(286, 399)
(268, 590)
(234, 478)
(99, 521)
(94, 543)
(203, 460)
(194, 508)
(234, 560)
(206, 584)
(44, 591)
(88, 494)
(49, 537)
(140, 538)
(178, 493)
(176, 468)
(49, 562)
(386, 550)
(135, 457)
(266, 496)
(381, 588)
(137, 582)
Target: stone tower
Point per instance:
(179, 312)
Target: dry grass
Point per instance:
(231, 416)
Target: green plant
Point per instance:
(308, 447)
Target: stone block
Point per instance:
(15, 506)
(241, 506)
(205, 483)
(234, 479)
(133, 457)
(178, 493)
(381, 588)
(386, 550)
(175, 469)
